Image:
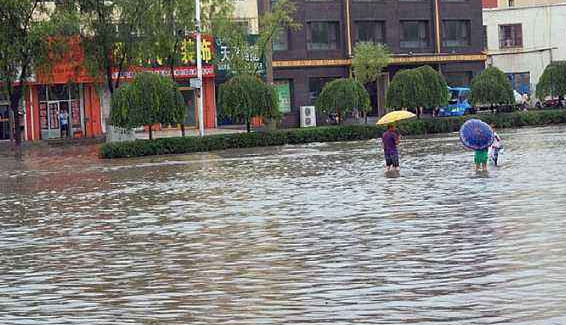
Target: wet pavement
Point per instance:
(310, 234)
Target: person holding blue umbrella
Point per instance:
(478, 136)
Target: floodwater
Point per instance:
(309, 234)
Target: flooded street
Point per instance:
(310, 234)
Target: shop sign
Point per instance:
(195, 83)
(179, 72)
(283, 90)
(188, 51)
(249, 54)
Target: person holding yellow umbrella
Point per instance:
(391, 138)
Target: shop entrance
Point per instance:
(49, 117)
(56, 99)
(4, 117)
(189, 97)
(4, 121)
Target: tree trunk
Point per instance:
(150, 132)
(14, 106)
(248, 126)
(109, 82)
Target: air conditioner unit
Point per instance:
(308, 116)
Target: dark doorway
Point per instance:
(189, 97)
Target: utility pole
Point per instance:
(199, 70)
(271, 124)
(268, 50)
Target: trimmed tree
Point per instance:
(491, 87)
(406, 91)
(436, 92)
(245, 96)
(148, 100)
(342, 96)
(553, 81)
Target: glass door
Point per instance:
(55, 99)
(49, 120)
(4, 121)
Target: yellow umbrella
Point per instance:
(395, 117)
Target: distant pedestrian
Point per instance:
(391, 139)
(495, 147)
(64, 123)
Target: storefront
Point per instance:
(46, 104)
(4, 117)
(68, 92)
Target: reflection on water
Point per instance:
(293, 235)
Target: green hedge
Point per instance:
(165, 146)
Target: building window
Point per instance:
(459, 79)
(455, 33)
(370, 31)
(510, 36)
(511, 3)
(316, 85)
(521, 82)
(414, 34)
(322, 35)
(242, 26)
(281, 41)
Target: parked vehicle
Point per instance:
(458, 104)
(549, 102)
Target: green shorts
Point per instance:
(480, 157)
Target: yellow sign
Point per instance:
(188, 51)
(394, 60)
(206, 50)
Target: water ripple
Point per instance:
(309, 234)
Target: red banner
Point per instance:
(179, 72)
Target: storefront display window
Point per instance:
(53, 100)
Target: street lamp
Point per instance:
(199, 70)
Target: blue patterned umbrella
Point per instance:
(476, 134)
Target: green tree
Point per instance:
(244, 97)
(342, 96)
(406, 91)
(166, 29)
(436, 92)
(553, 81)
(111, 36)
(27, 43)
(491, 87)
(235, 36)
(369, 60)
(149, 99)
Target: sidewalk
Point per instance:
(189, 132)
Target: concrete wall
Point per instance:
(247, 10)
(544, 38)
(522, 3)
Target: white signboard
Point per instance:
(195, 83)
